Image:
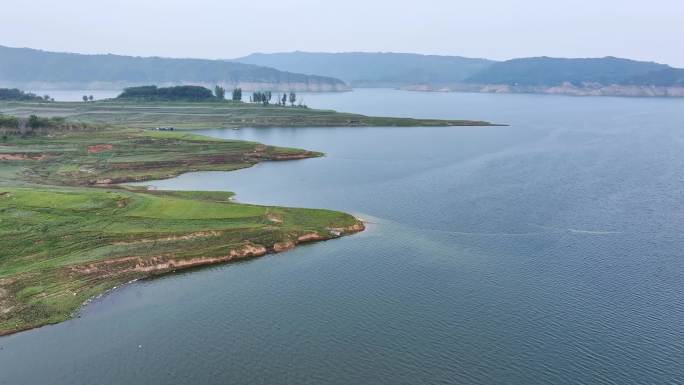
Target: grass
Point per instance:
(69, 232)
(62, 240)
(109, 156)
(60, 246)
(191, 115)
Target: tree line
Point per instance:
(17, 94)
(12, 125)
(198, 93)
(184, 93)
(259, 97)
(266, 97)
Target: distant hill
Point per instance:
(547, 71)
(34, 69)
(608, 76)
(583, 76)
(663, 78)
(362, 69)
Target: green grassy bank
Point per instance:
(190, 115)
(68, 231)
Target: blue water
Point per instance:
(547, 252)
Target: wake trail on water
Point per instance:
(549, 230)
(579, 231)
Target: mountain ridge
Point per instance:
(372, 69)
(605, 76)
(37, 69)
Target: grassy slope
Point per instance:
(61, 246)
(62, 242)
(122, 155)
(210, 115)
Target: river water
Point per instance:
(550, 251)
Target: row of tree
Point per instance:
(266, 97)
(257, 97)
(261, 97)
(220, 93)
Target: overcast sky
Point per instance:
(497, 29)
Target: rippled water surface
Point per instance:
(547, 252)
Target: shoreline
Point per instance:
(86, 233)
(566, 89)
(150, 241)
(168, 267)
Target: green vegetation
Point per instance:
(17, 94)
(105, 156)
(219, 92)
(261, 97)
(663, 78)
(374, 69)
(547, 71)
(12, 125)
(62, 242)
(21, 66)
(177, 93)
(209, 114)
(417, 72)
(62, 246)
(68, 231)
(237, 94)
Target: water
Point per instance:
(77, 95)
(547, 252)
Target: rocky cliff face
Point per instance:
(585, 89)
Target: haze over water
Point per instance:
(550, 251)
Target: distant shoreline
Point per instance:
(564, 89)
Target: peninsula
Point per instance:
(69, 231)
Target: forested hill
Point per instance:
(547, 71)
(668, 77)
(35, 69)
(363, 69)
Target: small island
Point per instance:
(70, 231)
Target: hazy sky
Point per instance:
(498, 29)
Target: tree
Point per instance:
(293, 98)
(91, 98)
(220, 92)
(187, 93)
(33, 121)
(85, 98)
(283, 101)
(262, 97)
(237, 95)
